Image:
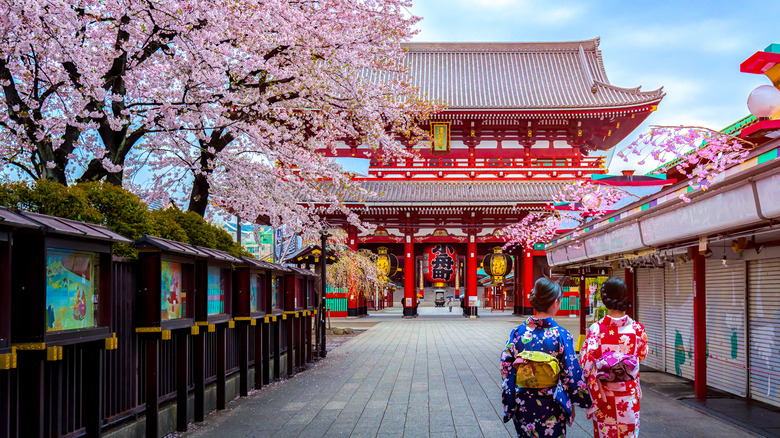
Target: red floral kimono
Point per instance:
(615, 410)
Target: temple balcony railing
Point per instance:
(469, 167)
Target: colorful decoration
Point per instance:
(173, 299)
(497, 264)
(386, 262)
(216, 291)
(72, 284)
(276, 293)
(439, 263)
(440, 137)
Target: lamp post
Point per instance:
(323, 287)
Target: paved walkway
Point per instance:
(428, 377)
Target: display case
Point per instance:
(214, 286)
(166, 279)
(250, 288)
(61, 282)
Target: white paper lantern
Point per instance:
(764, 101)
(591, 201)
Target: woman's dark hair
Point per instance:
(544, 294)
(614, 294)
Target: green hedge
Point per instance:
(119, 210)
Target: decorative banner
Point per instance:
(497, 265)
(439, 263)
(440, 137)
(386, 262)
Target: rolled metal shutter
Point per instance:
(650, 313)
(618, 273)
(764, 330)
(678, 295)
(726, 312)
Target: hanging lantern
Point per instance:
(497, 265)
(439, 264)
(386, 262)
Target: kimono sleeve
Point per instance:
(571, 374)
(588, 357)
(510, 352)
(641, 341)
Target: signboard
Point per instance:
(408, 302)
(473, 301)
(440, 137)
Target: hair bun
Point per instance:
(614, 295)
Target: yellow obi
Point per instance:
(537, 370)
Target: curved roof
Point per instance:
(519, 76)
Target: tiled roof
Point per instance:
(538, 76)
(58, 225)
(501, 192)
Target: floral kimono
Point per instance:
(546, 411)
(615, 410)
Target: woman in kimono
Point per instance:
(543, 412)
(610, 360)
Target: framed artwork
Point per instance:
(173, 298)
(72, 289)
(216, 291)
(440, 137)
(276, 293)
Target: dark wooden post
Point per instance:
(199, 371)
(243, 358)
(5, 403)
(182, 378)
(31, 393)
(152, 387)
(221, 365)
(265, 332)
(309, 356)
(290, 345)
(52, 389)
(94, 355)
(275, 334)
(259, 355)
(699, 327)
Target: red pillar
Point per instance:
(630, 285)
(699, 327)
(528, 280)
(583, 315)
(410, 300)
(471, 275)
(352, 298)
(518, 283)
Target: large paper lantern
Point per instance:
(497, 265)
(439, 264)
(386, 262)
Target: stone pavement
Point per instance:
(434, 376)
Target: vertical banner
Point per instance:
(440, 137)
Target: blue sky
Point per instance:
(691, 48)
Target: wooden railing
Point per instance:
(474, 167)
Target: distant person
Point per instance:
(610, 360)
(542, 378)
(449, 303)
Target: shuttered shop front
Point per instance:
(650, 312)
(764, 330)
(726, 313)
(678, 318)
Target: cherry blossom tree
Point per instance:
(698, 153)
(535, 227)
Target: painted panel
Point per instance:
(172, 299)
(735, 208)
(254, 287)
(276, 293)
(72, 289)
(216, 291)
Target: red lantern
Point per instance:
(439, 264)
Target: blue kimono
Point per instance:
(546, 411)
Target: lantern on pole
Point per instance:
(497, 265)
(439, 264)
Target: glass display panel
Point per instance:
(216, 291)
(254, 288)
(72, 289)
(173, 303)
(276, 293)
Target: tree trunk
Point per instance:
(199, 196)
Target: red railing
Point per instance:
(475, 167)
